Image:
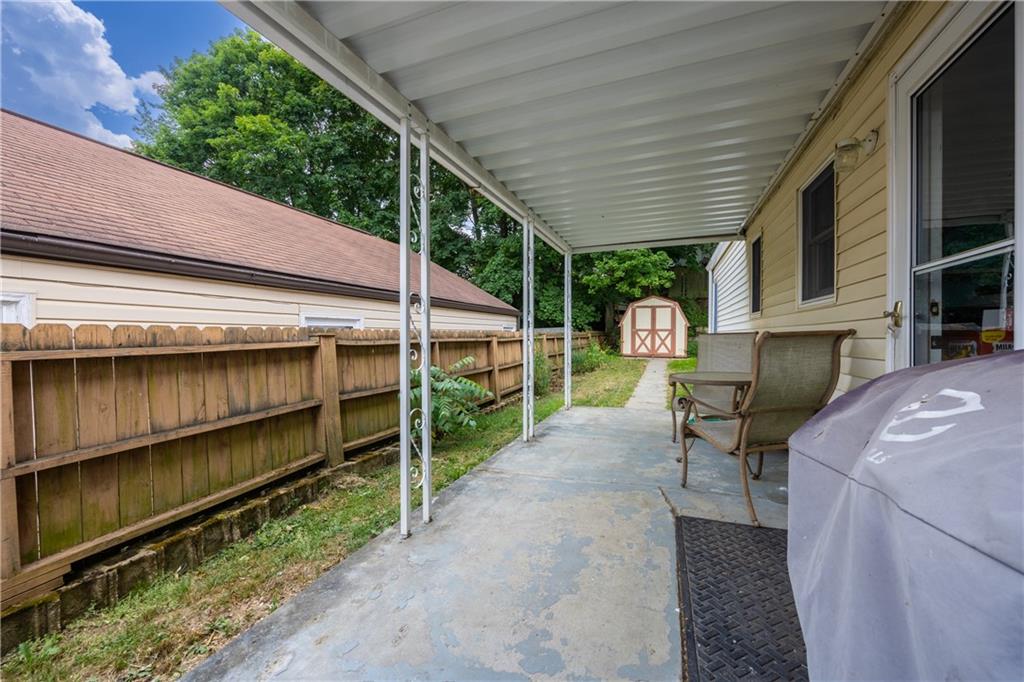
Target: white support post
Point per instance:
(533, 350)
(426, 437)
(567, 331)
(404, 362)
(526, 340)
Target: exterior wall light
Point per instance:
(848, 150)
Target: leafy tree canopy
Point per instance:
(246, 113)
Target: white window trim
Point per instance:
(25, 305)
(950, 33)
(330, 320)
(828, 299)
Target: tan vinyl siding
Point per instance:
(861, 218)
(75, 294)
(732, 304)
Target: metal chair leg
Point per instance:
(746, 488)
(672, 404)
(760, 467)
(685, 458)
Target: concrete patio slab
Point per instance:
(554, 559)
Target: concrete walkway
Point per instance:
(651, 390)
(554, 559)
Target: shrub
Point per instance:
(696, 313)
(455, 399)
(588, 359)
(541, 373)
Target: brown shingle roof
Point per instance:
(59, 184)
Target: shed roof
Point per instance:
(63, 195)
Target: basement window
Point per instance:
(331, 321)
(18, 308)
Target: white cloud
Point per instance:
(68, 59)
(148, 81)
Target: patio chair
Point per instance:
(793, 376)
(726, 352)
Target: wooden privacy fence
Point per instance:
(109, 434)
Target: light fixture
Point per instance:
(848, 150)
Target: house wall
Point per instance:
(73, 294)
(732, 289)
(861, 218)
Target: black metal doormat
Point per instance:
(741, 622)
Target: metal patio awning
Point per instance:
(607, 124)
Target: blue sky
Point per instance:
(86, 66)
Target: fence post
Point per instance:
(495, 370)
(10, 561)
(329, 431)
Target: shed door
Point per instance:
(654, 330)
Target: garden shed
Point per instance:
(654, 327)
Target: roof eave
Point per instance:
(32, 245)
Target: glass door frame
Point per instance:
(945, 38)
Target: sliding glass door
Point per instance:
(962, 202)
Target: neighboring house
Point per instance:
(96, 234)
(901, 198)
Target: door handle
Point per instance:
(896, 314)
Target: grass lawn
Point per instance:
(610, 385)
(169, 626)
(679, 365)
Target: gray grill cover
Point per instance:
(906, 526)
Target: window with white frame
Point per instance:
(331, 321)
(18, 308)
(818, 237)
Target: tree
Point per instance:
(246, 113)
(629, 274)
(501, 274)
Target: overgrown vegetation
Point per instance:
(455, 400)
(590, 358)
(167, 627)
(696, 314)
(541, 373)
